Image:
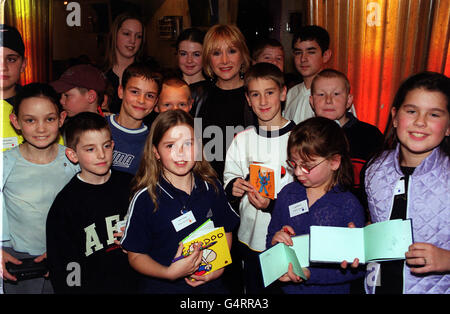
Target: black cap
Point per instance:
(11, 38)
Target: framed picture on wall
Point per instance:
(170, 27)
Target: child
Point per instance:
(318, 155)
(33, 174)
(330, 98)
(265, 91)
(83, 254)
(82, 88)
(311, 52)
(417, 162)
(269, 50)
(175, 94)
(311, 49)
(170, 186)
(189, 47)
(12, 64)
(139, 93)
(125, 46)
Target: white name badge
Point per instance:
(298, 208)
(183, 221)
(10, 142)
(399, 187)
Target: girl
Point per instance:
(33, 174)
(172, 185)
(189, 54)
(126, 42)
(318, 153)
(411, 179)
(223, 105)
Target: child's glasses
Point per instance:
(303, 168)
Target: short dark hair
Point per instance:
(190, 34)
(36, 90)
(141, 69)
(313, 32)
(266, 71)
(83, 122)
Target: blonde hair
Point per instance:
(331, 73)
(150, 169)
(232, 36)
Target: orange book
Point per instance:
(265, 178)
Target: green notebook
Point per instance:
(275, 261)
(387, 240)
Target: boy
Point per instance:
(175, 94)
(139, 92)
(82, 249)
(331, 98)
(82, 88)
(311, 52)
(12, 64)
(269, 50)
(265, 90)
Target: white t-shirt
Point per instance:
(248, 147)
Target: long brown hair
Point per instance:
(150, 169)
(323, 137)
(110, 54)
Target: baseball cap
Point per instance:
(11, 38)
(82, 75)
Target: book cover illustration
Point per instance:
(266, 179)
(215, 252)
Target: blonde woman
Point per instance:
(225, 60)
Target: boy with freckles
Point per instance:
(331, 98)
(139, 93)
(265, 90)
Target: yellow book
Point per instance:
(215, 250)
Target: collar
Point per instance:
(171, 191)
(275, 133)
(435, 159)
(142, 129)
(351, 120)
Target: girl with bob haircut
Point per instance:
(174, 182)
(319, 158)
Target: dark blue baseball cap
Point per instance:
(11, 38)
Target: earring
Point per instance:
(241, 72)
